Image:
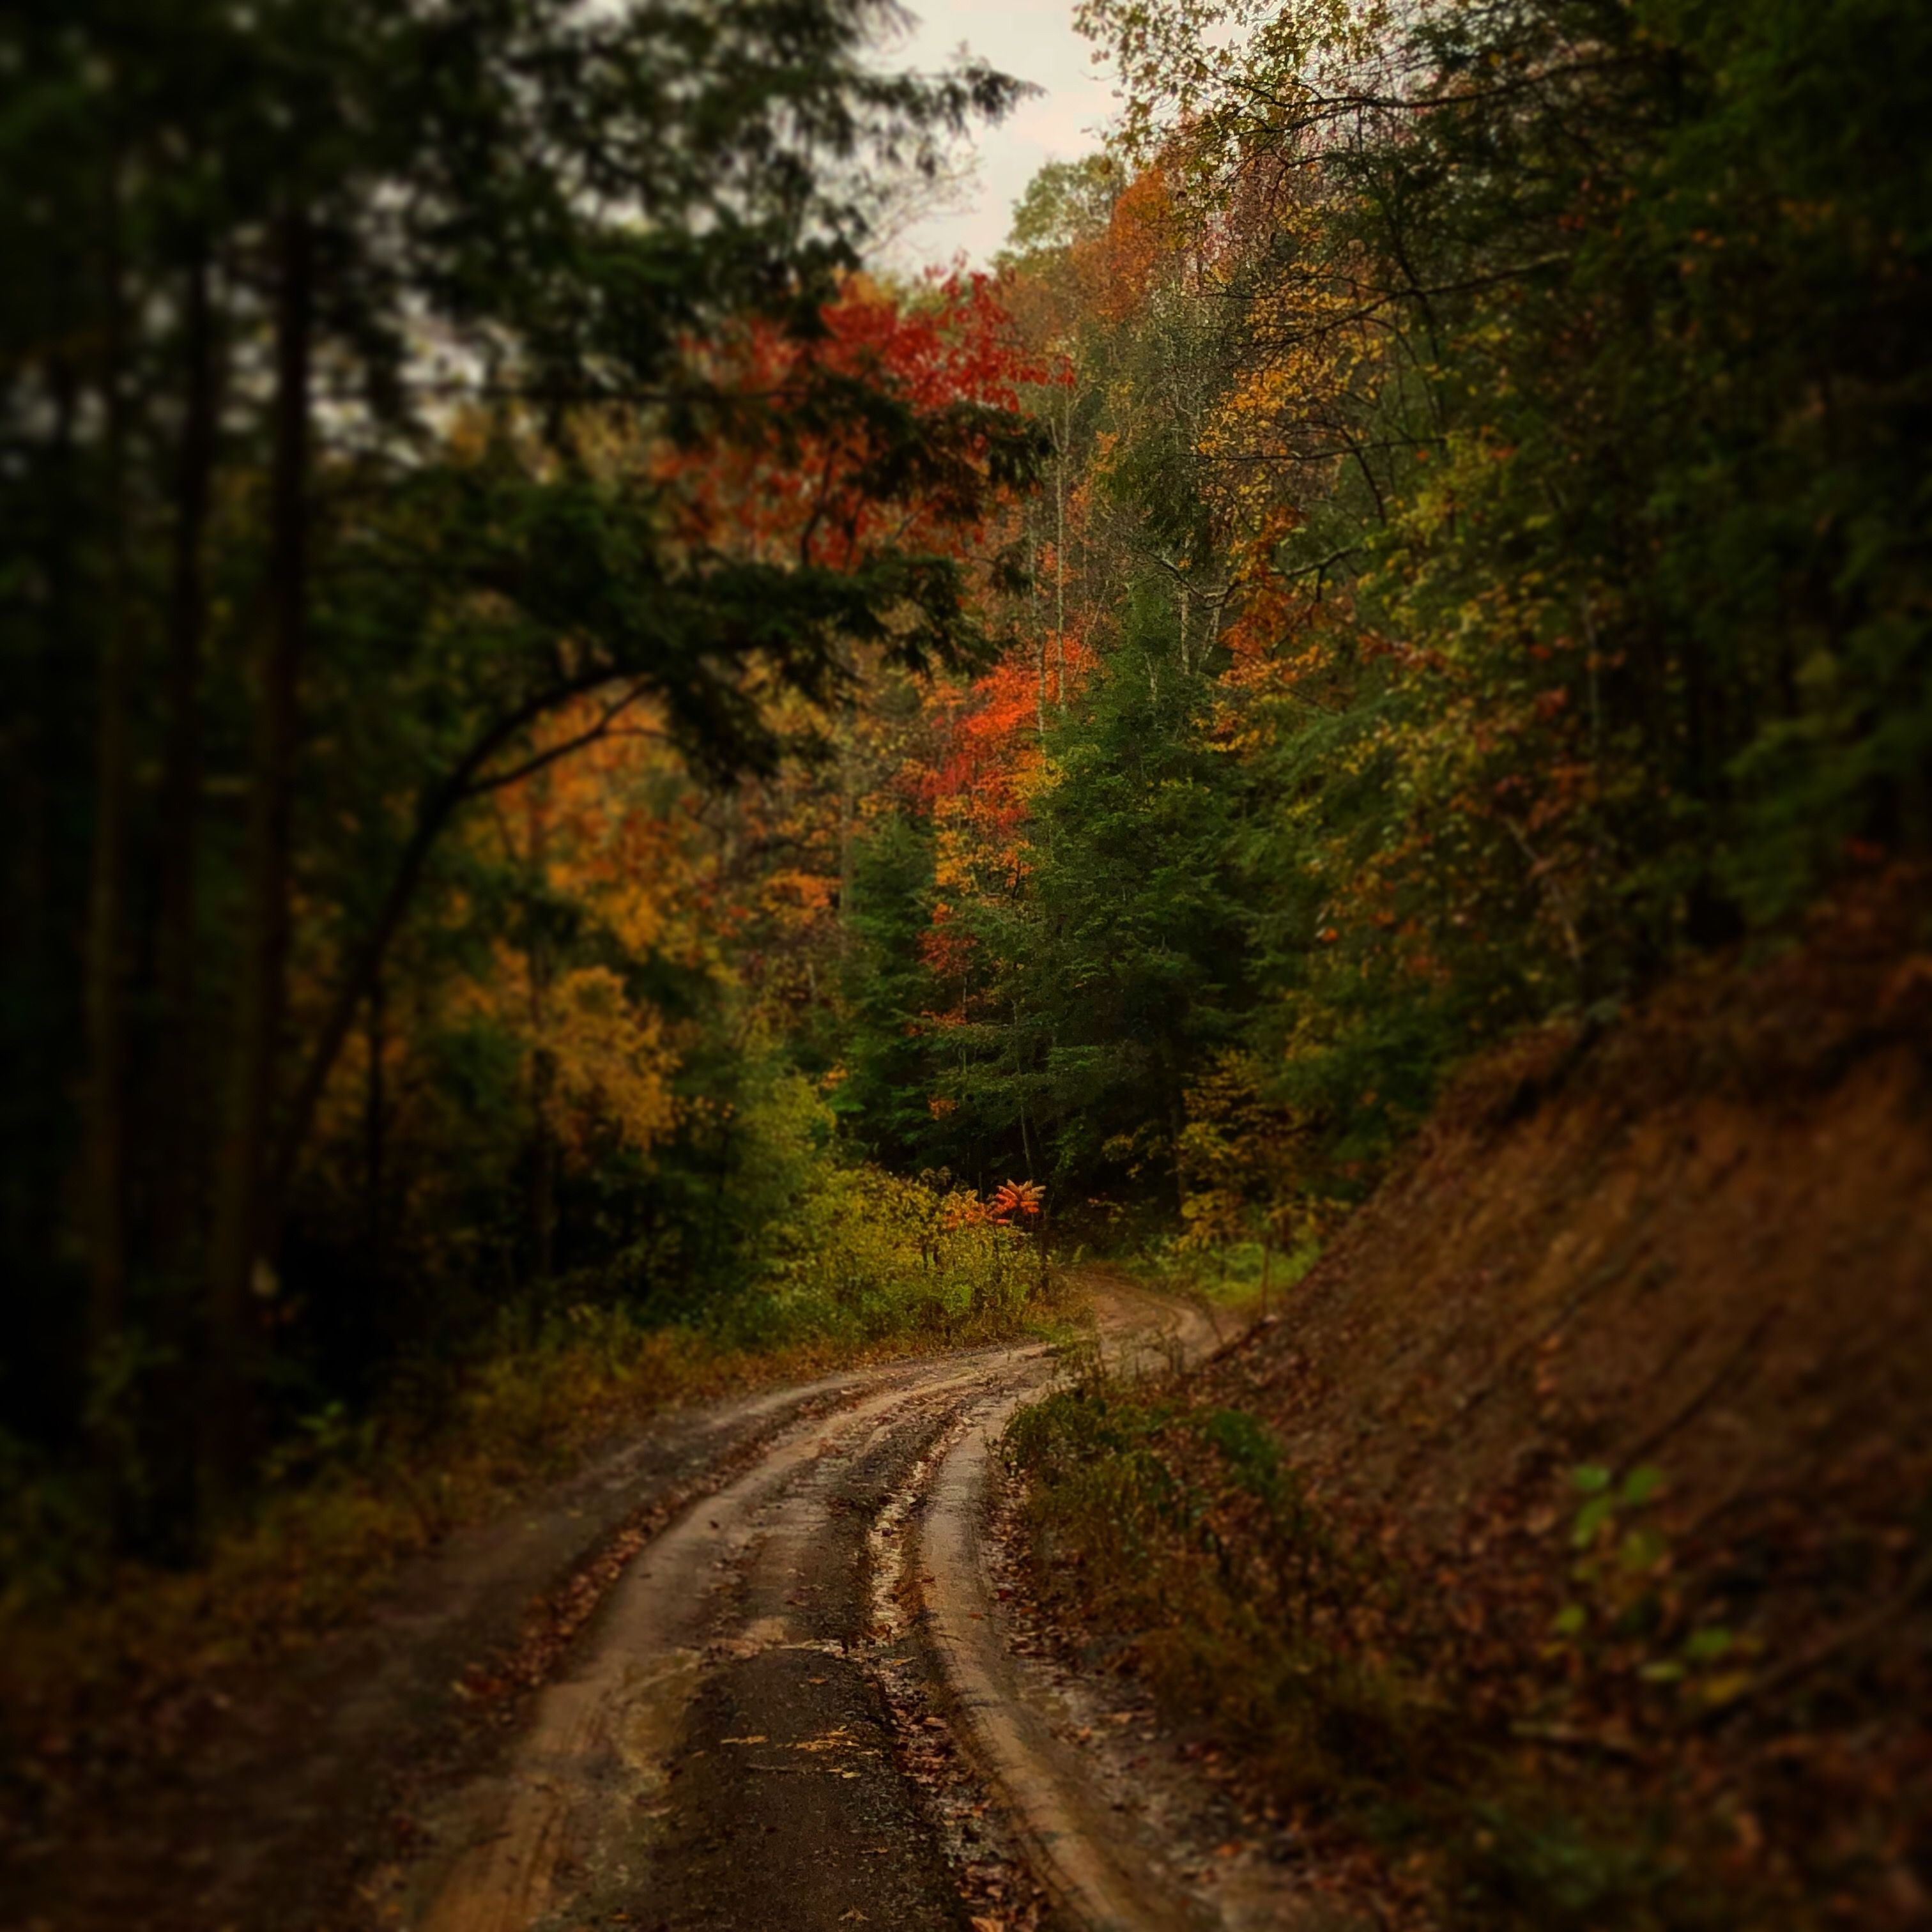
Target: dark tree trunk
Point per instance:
(543, 1181)
(375, 1108)
(37, 974)
(105, 1191)
(176, 1127)
(227, 1420)
(543, 1062)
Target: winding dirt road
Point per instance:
(739, 1743)
(801, 1703)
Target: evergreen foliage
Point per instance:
(550, 716)
(354, 361)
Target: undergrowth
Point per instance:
(1177, 1541)
(868, 1266)
(1233, 1274)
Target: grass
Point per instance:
(1176, 1540)
(876, 1267)
(1238, 1275)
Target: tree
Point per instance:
(277, 263)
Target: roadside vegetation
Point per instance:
(602, 800)
(1172, 1539)
(1402, 1740)
(1250, 1276)
(861, 1266)
(1557, 1557)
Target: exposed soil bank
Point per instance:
(1607, 1428)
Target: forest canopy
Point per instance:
(554, 714)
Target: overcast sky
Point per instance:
(1034, 40)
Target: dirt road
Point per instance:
(747, 1740)
(799, 1705)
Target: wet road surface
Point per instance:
(799, 1703)
(730, 1749)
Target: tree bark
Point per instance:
(543, 1062)
(177, 1132)
(375, 1122)
(228, 1421)
(106, 989)
(1059, 531)
(34, 747)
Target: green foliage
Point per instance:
(1697, 398)
(1606, 1498)
(1132, 967)
(1526, 1863)
(1183, 1533)
(817, 1249)
(1230, 1272)
(866, 1256)
(1065, 203)
(1498, 446)
(354, 359)
(888, 986)
(1618, 1620)
(1122, 966)
(1186, 1527)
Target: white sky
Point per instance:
(1032, 40)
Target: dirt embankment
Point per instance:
(1701, 1243)
(1614, 1410)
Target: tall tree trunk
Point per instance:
(34, 752)
(543, 1178)
(848, 855)
(1059, 532)
(1063, 445)
(177, 1115)
(105, 990)
(228, 1421)
(1019, 1091)
(1038, 627)
(375, 1111)
(177, 1134)
(543, 1062)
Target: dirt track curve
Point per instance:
(799, 1705)
(728, 1751)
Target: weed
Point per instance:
(1184, 1535)
(868, 1265)
(1233, 1274)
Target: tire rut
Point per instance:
(722, 1726)
(795, 1707)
